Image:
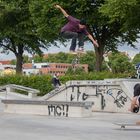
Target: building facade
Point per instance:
(52, 68)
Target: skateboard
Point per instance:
(78, 52)
(123, 125)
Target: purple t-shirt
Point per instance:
(73, 26)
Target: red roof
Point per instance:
(6, 62)
(27, 65)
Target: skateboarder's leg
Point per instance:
(81, 41)
(73, 43)
(73, 36)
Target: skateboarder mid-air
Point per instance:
(75, 29)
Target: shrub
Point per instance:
(43, 82)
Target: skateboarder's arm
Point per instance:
(133, 103)
(62, 10)
(93, 40)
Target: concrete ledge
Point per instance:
(31, 92)
(49, 108)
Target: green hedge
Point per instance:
(43, 82)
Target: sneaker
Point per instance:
(80, 49)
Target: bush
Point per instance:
(43, 82)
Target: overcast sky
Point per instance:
(88, 46)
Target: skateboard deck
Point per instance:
(77, 53)
(123, 125)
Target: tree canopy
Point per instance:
(136, 59)
(120, 63)
(32, 24)
(108, 34)
(17, 30)
(125, 11)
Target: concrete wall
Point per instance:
(49, 108)
(108, 95)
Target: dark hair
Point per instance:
(137, 90)
(83, 22)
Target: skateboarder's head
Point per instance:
(137, 90)
(82, 23)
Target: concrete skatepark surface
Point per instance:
(98, 127)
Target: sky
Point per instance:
(88, 46)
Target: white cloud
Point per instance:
(130, 50)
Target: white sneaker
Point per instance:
(80, 49)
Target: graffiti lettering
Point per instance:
(58, 110)
(103, 104)
(79, 95)
(85, 96)
(72, 97)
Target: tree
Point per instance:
(88, 58)
(125, 11)
(120, 63)
(61, 57)
(75, 71)
(17, 30)
(108, 34)
(136, 59)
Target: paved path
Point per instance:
(98, 127)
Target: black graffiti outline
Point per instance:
(83, 95)
(117, 100)
(86, 96)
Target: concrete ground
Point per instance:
(98, 127)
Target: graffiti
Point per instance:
(79, 96)
(100, 89)
(72, 88)
(103, 104)
(120, 98)
(72, 97)
(58, 110)
(78, 93)
(86, 96)
(82, 96)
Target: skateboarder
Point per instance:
(135, 103)
(55, 81)
(75, 29)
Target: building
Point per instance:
(5, 62)
(52, 68)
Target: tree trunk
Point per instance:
(19, 57)
(99, 58)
